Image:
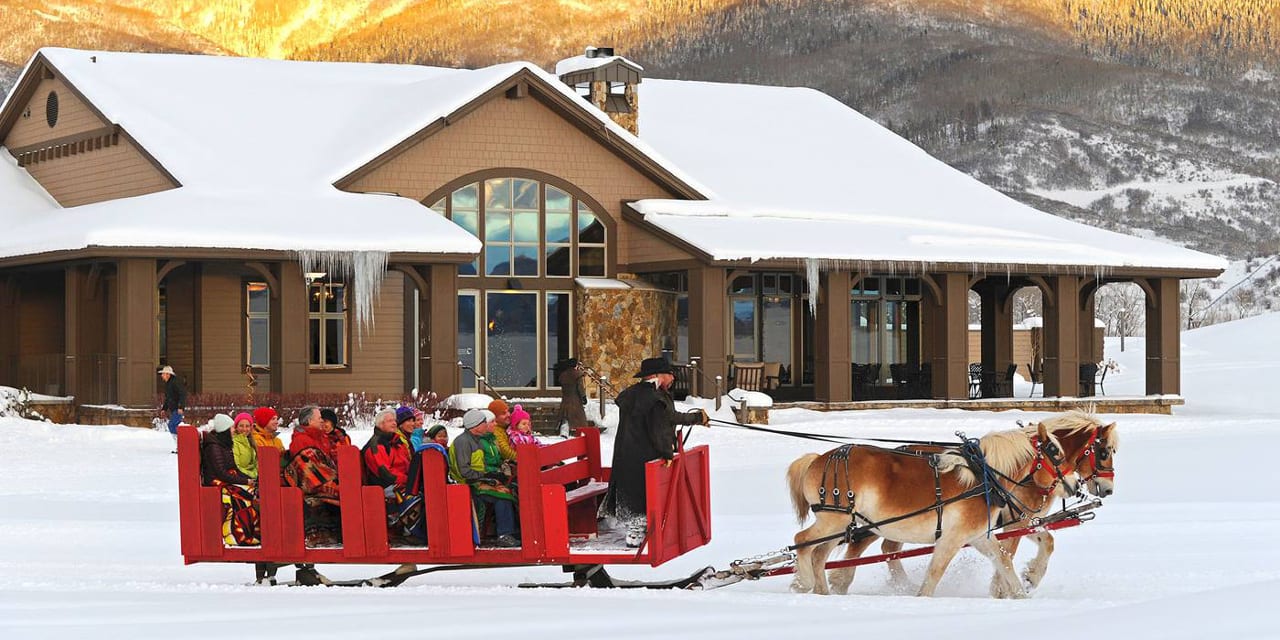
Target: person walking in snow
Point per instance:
(646, 431)
(573, 397)
(175, 400)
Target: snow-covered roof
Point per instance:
(583, 63)
(799, 175)
(257, 145)
(790, 173)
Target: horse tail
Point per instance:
(795, 482)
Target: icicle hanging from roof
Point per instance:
(362, 270)
(811, 276)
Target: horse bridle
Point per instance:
(1050, 454)
(1096, 452)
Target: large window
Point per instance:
(885, 321)
(328, 324)
(257, 327)
(514, 337)
(764, 318)
(530, 229)
(515, 316)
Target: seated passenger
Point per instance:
(266, 426)
(386, 458)
(405, 424)
(502, 419)
(218, 466)
(437, 437)
(336, 433)
(313, 468)
(474, 459)
(521, 430)
(242, 446)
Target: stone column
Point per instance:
(833, 354)
(1164, 361)
(997, 327)
(1062, 337)
(947, 333)
(136, 309)
(440, 368)
(72, 293)
(290, 339)
(707, 299)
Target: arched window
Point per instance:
(515, 303)
(530, 228)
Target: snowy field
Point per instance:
(1185, 549)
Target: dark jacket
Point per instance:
(175, 394)
(216, 460)
(572, 397)
(646, 431)
(386, 460)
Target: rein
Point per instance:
(826, 436)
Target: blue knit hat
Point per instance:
(403, 415)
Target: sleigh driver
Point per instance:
(647, 426)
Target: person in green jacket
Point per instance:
(474, 459)
(242, 447)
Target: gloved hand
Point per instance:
(706, 419)
(389, 492)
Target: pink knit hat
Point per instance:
(244, 415)
(518, 413)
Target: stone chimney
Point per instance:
(607, 81)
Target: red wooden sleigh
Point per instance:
(558, 500)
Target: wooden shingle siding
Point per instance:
(642, 245)
(40, 323)
(74, 116)
(517, 134)
(377, 359)
(180, 321)
(119, 171)
(221, 330)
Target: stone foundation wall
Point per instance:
(617, 328)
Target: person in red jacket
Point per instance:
(313, 468)
(386, 458)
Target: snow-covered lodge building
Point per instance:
(363, 227)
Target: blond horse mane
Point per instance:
(1075, 421)
(1005, 451)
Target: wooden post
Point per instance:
(947, 330)
(8, 328)
(1088, 348)
(707, 303)
(997, 327)
(1062, 337)
(290, 340)
(1164, 376)
(441, 373)
(136, 358)
(72, 293)
(833, 355)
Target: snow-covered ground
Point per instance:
(1185, 549)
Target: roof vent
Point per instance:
(51, 108)
(599, 52)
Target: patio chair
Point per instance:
(1037, 378)
(772, 376)
(1102, 377)
(906, 377)
(863, 380)
(748, 376)
(975, 380)
(1088, 374)
(680, 388)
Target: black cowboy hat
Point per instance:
(652, 366)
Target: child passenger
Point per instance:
(521, 429)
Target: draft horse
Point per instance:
(950, 499)
(1093, 466)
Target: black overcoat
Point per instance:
(572, 398)
(646, 431)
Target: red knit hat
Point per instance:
(263, 415)
(498, 407)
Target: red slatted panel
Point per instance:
(529, 477)
(572, 472)
(434, 502)
(271, 509)
(350, 481)
(553, 453)
(555, 522)
(291, 522)
(591, 439)
(375, 521)
(460, 540)
(188, 492)
(211, 521)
